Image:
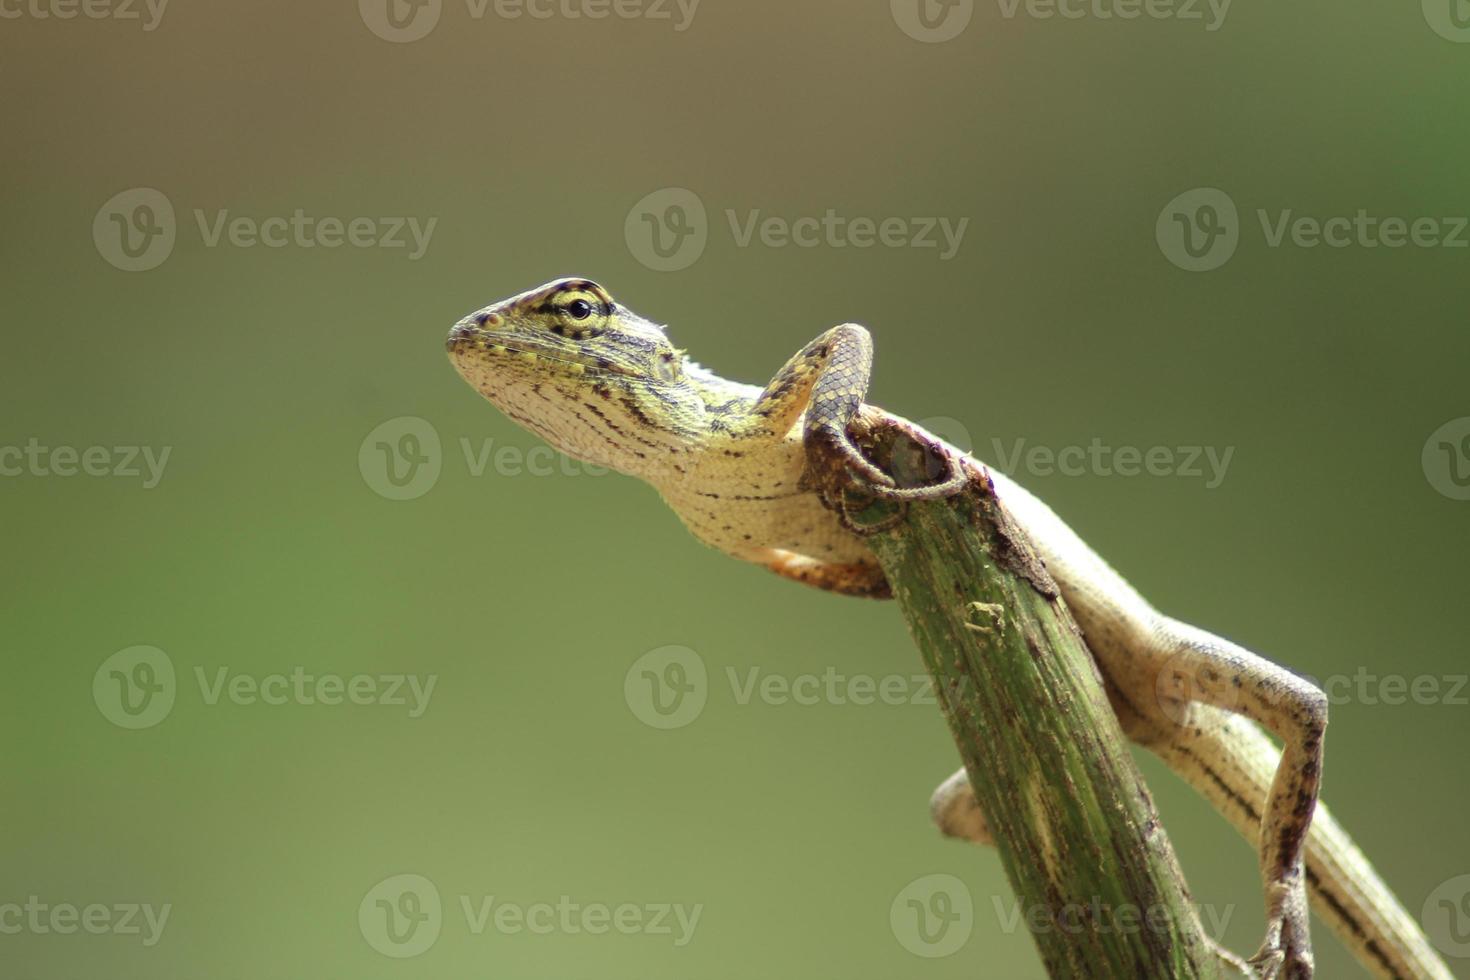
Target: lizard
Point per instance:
(735, 462)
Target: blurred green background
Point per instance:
(265, 546)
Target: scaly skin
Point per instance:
(735, 461)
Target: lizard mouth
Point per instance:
(465, 341)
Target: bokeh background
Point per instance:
(1335, 543)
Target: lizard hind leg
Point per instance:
(1202, 668)
(958, 814)
(1231, 761)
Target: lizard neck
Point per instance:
(626, 423)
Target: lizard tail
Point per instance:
(1235, 771)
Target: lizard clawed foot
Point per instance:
(948, 487)
(1282, 957)
(869, 479)
(1286, 952)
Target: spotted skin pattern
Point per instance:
(734, 461)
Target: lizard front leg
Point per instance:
(827, 379)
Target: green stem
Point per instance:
(1078, 835)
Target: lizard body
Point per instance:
(733, 461)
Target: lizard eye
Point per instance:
(582, 315)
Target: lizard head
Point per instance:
(586, 374)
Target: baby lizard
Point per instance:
(604, 385)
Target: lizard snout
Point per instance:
(471, 328)
(463, 332)
(457, 337)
